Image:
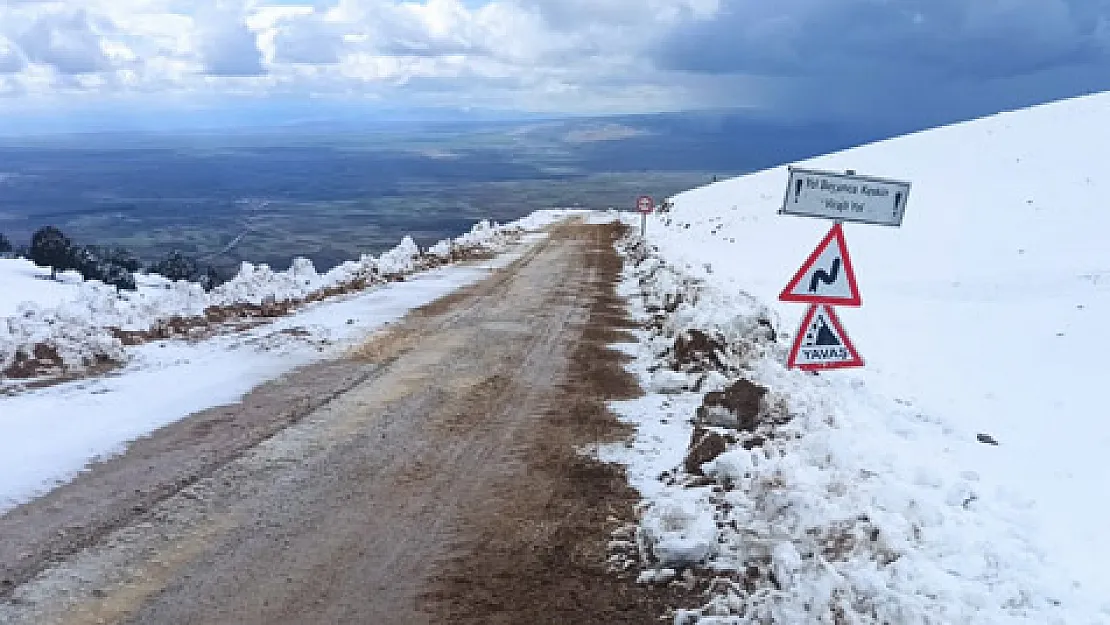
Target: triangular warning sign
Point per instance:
(822, 343)
(827, 276)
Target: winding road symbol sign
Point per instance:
(822, 343)
(827, 276)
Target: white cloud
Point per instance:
(538, 52)
(304, 37)
(67, 40)
(226, 45)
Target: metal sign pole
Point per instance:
(645, 205)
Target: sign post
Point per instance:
(645, 204)
(827, 277)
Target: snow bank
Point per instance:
(23, 281)
(833, 501)
(982, 315)
(72, 323)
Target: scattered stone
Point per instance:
(987, 439)
(694, 349)
(705, 446)
(738, 406)
(753, 442)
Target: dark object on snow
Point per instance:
(705, 446)
(695, 350)
(51, 248)
(738, 406)
(986, 439)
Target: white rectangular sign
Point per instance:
(845, 197)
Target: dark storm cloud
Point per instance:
(966, 57)
(979, 38)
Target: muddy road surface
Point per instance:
(431, 477)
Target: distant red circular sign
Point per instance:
(645, 204)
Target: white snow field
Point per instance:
(50, 434)
(32, 283)
(984, 314)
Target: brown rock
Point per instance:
(705, 446)
(738, 406)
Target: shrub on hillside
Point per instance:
(211, 279)
(111, 266)
(177, 266)
(51, 248)
(119, 257)
(119, 277)
(5, 245)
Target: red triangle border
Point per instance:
(787, 295)
(830, 312)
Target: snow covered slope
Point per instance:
(21, 280)
(984, 314)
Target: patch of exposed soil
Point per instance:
(695, 350)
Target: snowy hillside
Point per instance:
(983, 314)
(23, 281)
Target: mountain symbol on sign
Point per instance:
(820, 334)
(826, 277)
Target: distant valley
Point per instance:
(331, 191)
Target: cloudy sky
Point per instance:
(906, 61)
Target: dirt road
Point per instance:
(432, 477)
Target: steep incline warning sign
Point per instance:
(827, 276)
(822, 343)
